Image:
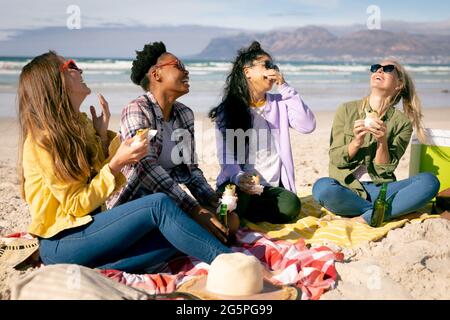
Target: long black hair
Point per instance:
(234, 111)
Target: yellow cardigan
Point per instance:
(57, 205)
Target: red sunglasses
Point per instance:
(180, 65)
(70, 64)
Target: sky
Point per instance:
(245, 14)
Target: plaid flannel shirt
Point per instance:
(148, 176)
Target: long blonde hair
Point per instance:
(47, 116)
(412, 105)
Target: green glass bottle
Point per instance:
(223, 214)
(380, 207)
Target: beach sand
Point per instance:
(410, 263)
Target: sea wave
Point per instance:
(12, 66)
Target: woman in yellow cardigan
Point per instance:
(70, 165)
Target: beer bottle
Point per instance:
(223, 214)
(380, 207)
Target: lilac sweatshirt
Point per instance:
(281, 111)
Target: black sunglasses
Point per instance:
(387, 69)
(270, 65)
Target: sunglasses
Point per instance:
(268, 64)
(70, 64)
(177, 63)
(387, 69)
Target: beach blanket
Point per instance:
(318, 226)
(312, 271)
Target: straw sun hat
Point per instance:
(14, 251)
(236, 276)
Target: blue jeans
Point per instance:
(408, 195)
(133, 237)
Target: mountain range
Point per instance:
(427, 42)
(314, 43)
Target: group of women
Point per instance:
(104, 200)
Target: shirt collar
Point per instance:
(157, 108)
(267, 107)
(387, 115)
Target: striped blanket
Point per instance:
(318, 226)
(292, 262)
(311, 270)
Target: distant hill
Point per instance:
(319, 44)
(433, 28)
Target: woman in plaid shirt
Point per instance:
(171, 157)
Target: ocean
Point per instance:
(323, 86)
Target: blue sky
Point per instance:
(247, 14)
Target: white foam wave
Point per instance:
(12, 65)
(205, 68)
(105, 65)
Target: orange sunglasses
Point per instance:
(70, 64)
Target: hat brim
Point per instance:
(14, 251)
(197, 287)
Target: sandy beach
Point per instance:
(410, 263)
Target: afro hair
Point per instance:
(145, 59)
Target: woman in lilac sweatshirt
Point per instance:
(253, 139)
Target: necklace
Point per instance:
(258, 104)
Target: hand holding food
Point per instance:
(229, 197)
(141, 134)
(369, 121)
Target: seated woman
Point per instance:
(365, 153)
(249, 111)
(164, 79)
(71, 165)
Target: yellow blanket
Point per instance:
(316, 225)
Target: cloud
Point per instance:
(8, 34)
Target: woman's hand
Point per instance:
(101, 122)
(359, 131)
(379, 131)
(209, 221)
(246, 183)
(127, 154)
(274, 75)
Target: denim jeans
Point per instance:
(133, 237)
(407, 196)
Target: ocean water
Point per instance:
(323, 86)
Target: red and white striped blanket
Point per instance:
(311, 270)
